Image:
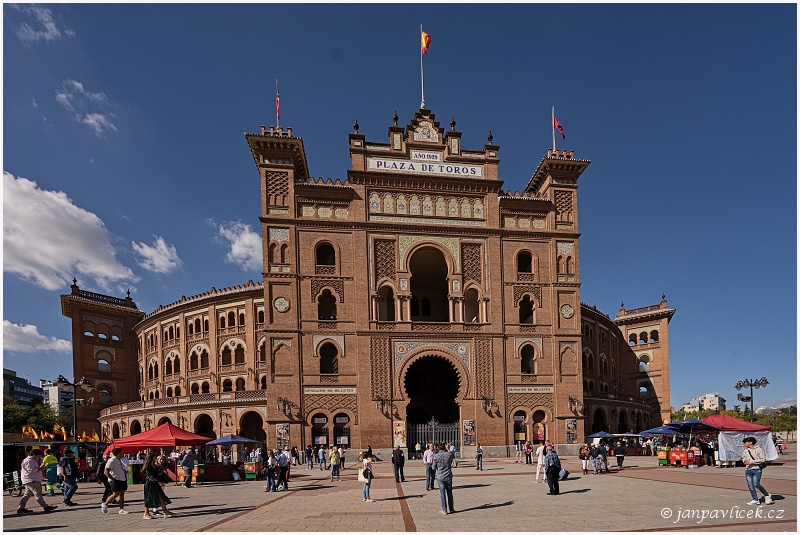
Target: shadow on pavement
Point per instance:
(576, 491)
(182, 512)
(402, 497)
(474, 486)
(39, 528)
(487, 506)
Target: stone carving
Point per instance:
(318, 284)
(385, 259)
(403, 349)
(535, 291)
(564, 247)
(518, 342)
(277, 187)
(530, 400)
(317, 339)
(563, 202)
(484, 371)
(380, 367)
(331, 403)
(279, 234)
(451, 244)
(472, 260)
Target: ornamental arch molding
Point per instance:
(462, 371)
(449, 247)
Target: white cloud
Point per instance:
(47, 239)
(44, 26)
(86, 106)
(28, 339)
(159, 257)
(245, 244)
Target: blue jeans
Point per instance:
(334, 471)
(271, 486)
(597, 463)
(322, 464)
(309, 462)
(365, 491)
(754, 482)
(430, 473)
(69, 489)
(479, 462)
(446, 490)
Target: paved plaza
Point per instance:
(504, 497)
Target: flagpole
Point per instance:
(277, 105)
(421, 72)
(553, 126)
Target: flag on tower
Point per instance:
(277, 102)
(557, 126)
(426, 42)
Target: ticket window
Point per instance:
(520, 427)
(341, 430)
(319, 430)
(539, 428)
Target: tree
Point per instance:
(14, 415)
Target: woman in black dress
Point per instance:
(154, 497)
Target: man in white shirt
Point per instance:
(117, 474)
(540, 462)
(31, 477)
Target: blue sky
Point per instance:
(125, 163)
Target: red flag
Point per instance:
(277, 101)
(557, 126)
(426, 42)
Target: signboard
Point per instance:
(425, 167)
(572, 431)
(282, 434)
(529, 389)
(399, 427)
(519, 417)
(538, 431)
(320, 420)
(329, 390)
(343, 441)
(320, 440)
(341, 420)
(469, 433)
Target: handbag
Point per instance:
(756, 465)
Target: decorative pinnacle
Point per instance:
(490, 138)
(453, 123)
(396, 118)
(355, 126)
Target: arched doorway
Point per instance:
(432, 387)
(164, 420)
(539, 426)
(599, 421)
(429, 292)
(204, 426)
(341, 430)
(115, 431)
(520, 427)
(623, 423)
(136, 427)
(253, 427)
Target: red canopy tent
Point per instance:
(165, 434)
(723, 422)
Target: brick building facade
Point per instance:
(414, 293)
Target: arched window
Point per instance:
(603, 365)
(150, 372)
(105, 394)
(526, 310)
(226, 356)
(284, 251)
(103, 366)
(644, 364)
(260, 316)
(206, 387)
(227, 385)
(176, 365)
(524, 262)
(643, 337)
(231, 319)
(169, 392)
(528, 365)
(205, 326)
(262, 353)
(195, 388)
(222, 322)
(193, 361)
(326, 306)
(386, 304)
(644, 391)
(177, 391)
(168, 367)
(264, 383)
(632, 339)
(172, 333)
(239, 384)
(472, 308)
(326, 256)
(425, 307)
(328, 359)
(191, 328)
(204, 359)
(241, 319)
(273, 253)
(653, 337)
(238, 355)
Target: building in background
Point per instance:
(59, 398)
(414, 300)
(705, 402)
(21, 389)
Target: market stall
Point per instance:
(731, 433)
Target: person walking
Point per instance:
(188, 463)
(271, 465)
(443, 463)
(117, 477)
(309, 457)
(365, 476)
(283, 469)
(754, 462)
(552, 467)
(520, 449)
(31, 475)
(452, 448)
(585, 458)
(68, 469)
(50, 464)
(619, 451)
(103, 478)
(479, 457)
(322, 455)
(603, 453)
(528, 452)
(398, 460)
(334, 458)
(341, 457)
(430, 472)
(418, 451)
(154, 496)
(540, 462)
(295, 456)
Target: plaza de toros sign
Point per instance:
(425, 163)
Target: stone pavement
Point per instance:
(504, 497)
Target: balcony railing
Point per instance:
(182, 401)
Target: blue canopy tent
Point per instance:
(661, 430)
(600, 434)
(229, 440)
(690, 425)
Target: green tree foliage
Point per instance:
(41, 416)
(14, 415)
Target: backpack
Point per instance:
(100, 473)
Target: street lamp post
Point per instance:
(750, 383)
(86, 385)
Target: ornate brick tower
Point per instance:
(103, 351)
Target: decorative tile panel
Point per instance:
(279, 234)
(317, 339)
(564, 247)
(403, 349)
(451, 244)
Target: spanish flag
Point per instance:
(557, 126)
(426, 42)
(59, 430)
(94, 437)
